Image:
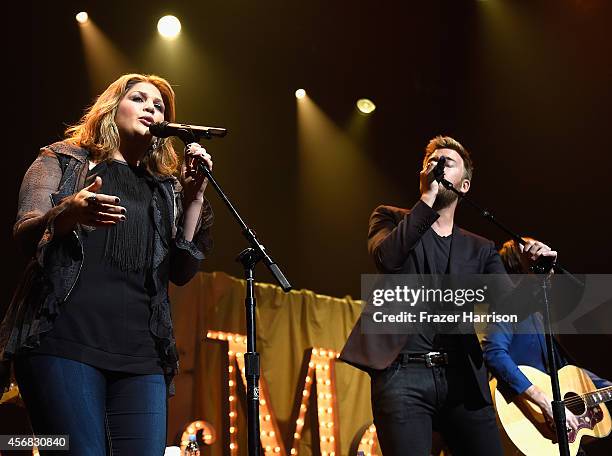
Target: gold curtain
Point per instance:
(288, 324)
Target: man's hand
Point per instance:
(537, 396)
(532, 250)
(428, 185)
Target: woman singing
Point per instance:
(107, 226)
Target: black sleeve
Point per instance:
(390, 242)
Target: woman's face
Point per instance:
(141, 106)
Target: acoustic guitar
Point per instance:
(525, 428)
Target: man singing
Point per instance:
(431, 380)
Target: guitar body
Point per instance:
(525, 426)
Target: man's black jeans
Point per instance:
(411, 399)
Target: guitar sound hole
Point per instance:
(574, 404)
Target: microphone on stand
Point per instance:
(188, 133)
(438, 170)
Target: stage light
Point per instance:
(82, 17)
(366, 106)
(367, 443)
(300, 93)
(169, 27)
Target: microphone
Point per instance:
(438, 170)
(186, 132)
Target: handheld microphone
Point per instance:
(438, 170)
(186, 132)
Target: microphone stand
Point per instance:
(543, 268)
(249, 257)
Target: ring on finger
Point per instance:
(92, 198)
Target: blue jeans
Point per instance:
(103, 412)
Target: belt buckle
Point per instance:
(435, 359)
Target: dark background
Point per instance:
(524, 85)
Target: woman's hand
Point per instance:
(90, 208)
(193, 178)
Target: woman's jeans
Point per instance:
(102, 412)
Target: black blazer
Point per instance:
(394, 242)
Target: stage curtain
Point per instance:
(287, 325)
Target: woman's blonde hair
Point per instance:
(97, 131)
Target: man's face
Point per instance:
(453, 172)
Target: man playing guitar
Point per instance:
(506, 346)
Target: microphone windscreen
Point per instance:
(439, 168)
(159, 129)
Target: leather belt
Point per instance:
(430, 359)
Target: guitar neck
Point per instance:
(598, 396)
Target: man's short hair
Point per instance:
(446, 142)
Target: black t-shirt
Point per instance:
(105, 321)
(436, 263)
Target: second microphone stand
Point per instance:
(542, 267)
(249, 258)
